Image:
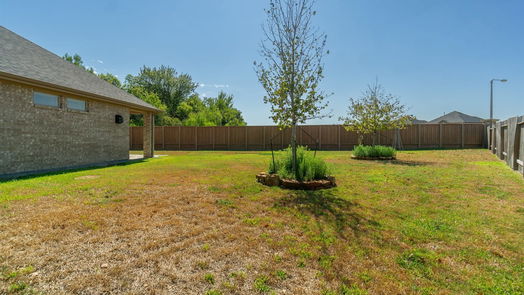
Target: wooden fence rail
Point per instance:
(506, 140)
(328, 137)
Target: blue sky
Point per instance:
(436, 55)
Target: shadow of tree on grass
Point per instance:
(327, 207)
(332, 215)
(409, 163)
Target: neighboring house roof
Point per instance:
(24, 61)
(457, 117)
(417, 121)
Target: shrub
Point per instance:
(309, 167)
(261, 284)
(374, 151)
(209, 278)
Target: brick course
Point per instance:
(34, 138)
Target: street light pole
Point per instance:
(491, 109)
(491, 104)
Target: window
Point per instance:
(76, 104)
(45, 99)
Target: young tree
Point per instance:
(375, 111)
(292, 68)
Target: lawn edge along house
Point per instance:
(55, 115)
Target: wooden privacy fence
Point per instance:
(506, 140)
(329, 137)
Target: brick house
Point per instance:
(55, 115)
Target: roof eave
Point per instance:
(50, 86)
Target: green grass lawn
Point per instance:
(432, 222)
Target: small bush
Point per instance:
(309, 167)
(209, 278)
(261, 284)
(281, 274)
(374, 151)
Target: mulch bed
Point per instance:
(275, 180)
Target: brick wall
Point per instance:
(34, 138)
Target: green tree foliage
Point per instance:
(210, 111)
(111, 79)
(77, 60)
(292, 68)
(171, 88)
(161, 119)
(223, 104)
(174, 95)
(375, 111)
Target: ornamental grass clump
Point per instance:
(309, 167)
(374, 151)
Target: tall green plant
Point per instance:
(374, 151)
(308, 166)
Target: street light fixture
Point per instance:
(491, 107)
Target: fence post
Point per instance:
(264, 138)
(213, 136)
(130, 138)
(300, 136)
(164, 138)
(338, 135)
(320, 137)
(196, 138)
(419, 137)
(228, 138)
(179, 138)
(440, 134)
(462, 136)
(282, 137)
(245, 135)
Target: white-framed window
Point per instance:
(76, 104)
(45, 99)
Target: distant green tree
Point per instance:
(223, 104)
(77, 60)
(174, 95)
(205, 117)
(170, 87)
(161, 119)
(111, 79)
(210, 111)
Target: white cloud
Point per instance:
(99, 61)
(214, 85)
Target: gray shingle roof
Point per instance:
(22, 58)
(457, 117)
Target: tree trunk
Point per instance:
(294, 149)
